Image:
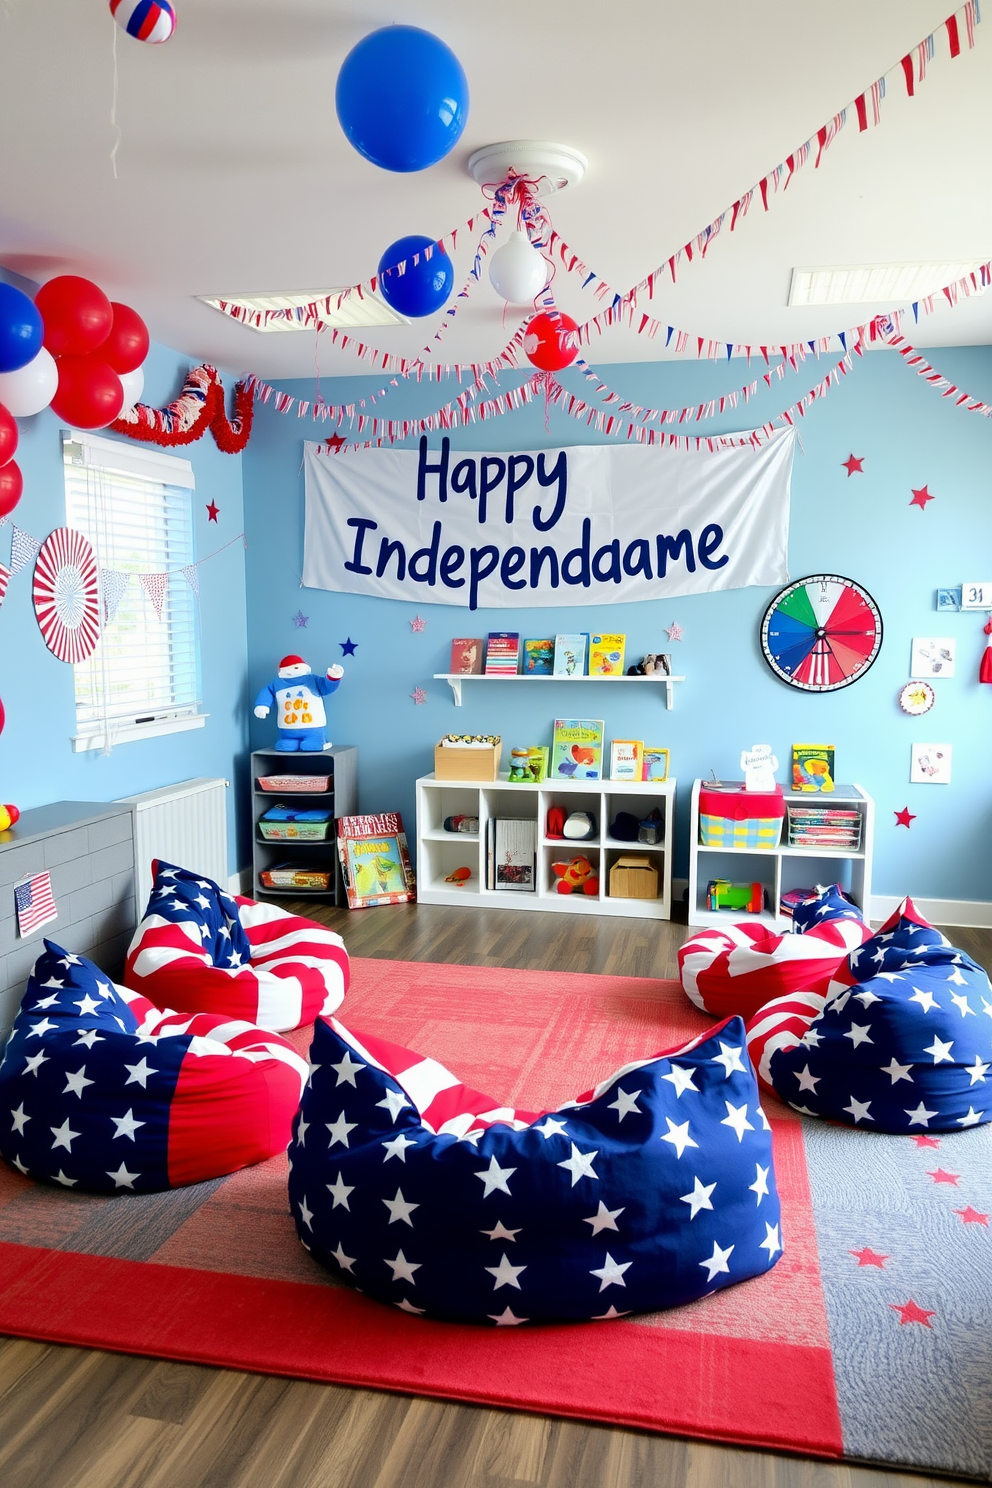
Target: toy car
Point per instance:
(722, 894)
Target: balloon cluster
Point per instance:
(72, 348)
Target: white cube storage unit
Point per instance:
(782, 868)
(439, 852)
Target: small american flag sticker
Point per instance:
(34, 903)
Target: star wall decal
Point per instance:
(300, 620)
(854, 465)
(417, 624)
(921, 497)
(419, 696)
(348, 647)
(911, 1312)
(904, 817)
(213, 512)
(674, 631)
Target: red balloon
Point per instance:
(8, 435)
(127, 345)
(3, 716)
(77, 315)
(549, 341)
(11, 486)
(89, 393)
(13, 812)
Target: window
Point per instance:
(134, 506)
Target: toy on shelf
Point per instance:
(555, 825)
(459, 877)
(580, 826)
(528, 766)
(655, 664)
(576, 877)
(461, 823)
(9, 814)
(298, 697)
(722, 894)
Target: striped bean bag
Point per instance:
(735, 969)
(201, 949)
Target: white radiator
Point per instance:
(185, 824)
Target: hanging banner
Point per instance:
(600, 523)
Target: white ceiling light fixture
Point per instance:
(552, 167)
(866, 284)
(353, 312)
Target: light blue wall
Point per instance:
(862, 527)
(37, 764)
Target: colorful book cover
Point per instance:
(626, 759)
(655, 763)
(539, 658)
(502, 653)
(375, 860)
(570, 655)
(577, 750)
(813, 767)
(606, 655)
(516, 855)
(466, 655)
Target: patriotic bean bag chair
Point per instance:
(654, 1189)
(736, 969)
(901, 1042)
(111, 1094)
(203, 950)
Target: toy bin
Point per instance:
(468, 762)
(729, 816)
(291, 824)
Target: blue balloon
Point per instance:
(402, 98)
(422, 288)
(21, 329)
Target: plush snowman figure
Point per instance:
(298, 697)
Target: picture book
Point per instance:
(655, 763)
(502, 653)
(466, 655)
(375, 860)
(606, 655)
(539, 658)
(570, 655)
(577, 749)
(515, 855)
(626, 759)
(813, 767)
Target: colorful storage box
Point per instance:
(729, 816)
(285, 876)
(480, 762)
(294, 784)
(295, 824)
(633, 876)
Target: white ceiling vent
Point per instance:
(866, 284)
(370, 310)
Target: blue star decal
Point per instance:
(348, 647)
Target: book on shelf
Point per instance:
(654, 763)
(375, 860)
(813, 767)
(502, 653)
(577, 749)
(626, 759)
(539, 658)
(570, 655)
(466, 656)
(515, 855)
(606, 655)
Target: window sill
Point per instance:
(127, 733)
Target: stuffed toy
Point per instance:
(655, 664)
(298, 696)
(576, 877)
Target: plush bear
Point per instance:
(576, 877)
(298, 696)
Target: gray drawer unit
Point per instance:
(88, 848)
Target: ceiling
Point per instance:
(234, 176)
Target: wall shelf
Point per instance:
(455, 680)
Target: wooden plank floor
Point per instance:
(77, 1418)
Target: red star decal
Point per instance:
(920, 497)
(904, 817)
(925, 1141)
(869, 1257)
(911, 1312)
(972, 1216)
(335, 443)
(940, 1176)
(213, 512)
(854, 465)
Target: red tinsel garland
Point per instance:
(199, 407)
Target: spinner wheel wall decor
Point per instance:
(821, 633)
(66, 595)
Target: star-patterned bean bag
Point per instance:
(203, 950)
(654, 1189)
(100, 1090)
(901, 1042)
(736, 969)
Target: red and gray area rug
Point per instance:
(871, 1339)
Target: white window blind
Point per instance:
(135, 508)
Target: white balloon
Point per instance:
(517, 271)
(133, 384)
(30, 388)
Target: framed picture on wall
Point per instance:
(932, 656)
(930, 764)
